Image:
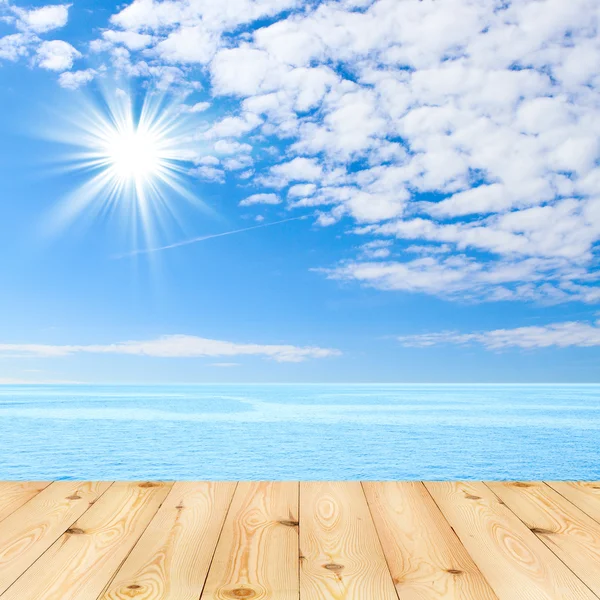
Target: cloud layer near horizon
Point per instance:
(560, 335)
(173, 346)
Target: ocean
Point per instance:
(304, 432)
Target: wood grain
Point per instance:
(83, 560)
(257, 555)
(425, 558)
(171, 559)
(14, 494)
(29, 531)
(514, 561)
(571, 534)
(583, 494)
(341, 556)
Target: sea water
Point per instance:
(300, 432)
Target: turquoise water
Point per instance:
(300, 432)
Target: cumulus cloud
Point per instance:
(14, 46)
(131, 39)
(208, 173)
(73, 80)
(56, 55)
(466, 129)
(561, 335)
(174, 346)
(43, 19)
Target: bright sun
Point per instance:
(133, 154)
(137, 159)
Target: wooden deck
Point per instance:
(311, 540)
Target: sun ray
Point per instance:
(136, 162)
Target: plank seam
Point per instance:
(27, 501)
(542, 541)
(212, 558)
(362, 487)
(54, 542)
(299, 549)
(111, 579)
(423, 483)
(571, 502)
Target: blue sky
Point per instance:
(410, 191)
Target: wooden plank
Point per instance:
(29, 531)
(341, 556)
(571, 534)
(425, 557)
(171, 559)
(514, 561)
(257, 554)
(583, 494)
(80, 564)
(14, 494)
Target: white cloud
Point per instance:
(231, 147)
(174, 346)
(237, 163)
(376, 249)
(302, 190)
(547, 280)
(298, 169)
(199, 107)
(260, 199)
(233, 126)
(73, 80)
(43, 19)
(470, 126)
(208, 173)
(131, 39)
(14, 46)
(188, 45)
(561, 335)
(56, 55)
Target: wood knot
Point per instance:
(134, 586)
(180, 507)
(521, 484)
(148, 484)
(454, 571)
(74, 497)
(241, 593)
(75, 531)
(333, 567)
(289, 523)
(541, 531)
(471, 497)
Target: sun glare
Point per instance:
(133, 155)
(138, 162)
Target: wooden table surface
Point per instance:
(73, 540)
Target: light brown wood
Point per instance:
(29, 531)
(81, 562)
(14, 494)
(571, 534)
(514, 561)
(171, 559)
(341, 556)
(583, 494)
(308, 541)
(425, 557)
(257, 554)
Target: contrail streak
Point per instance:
(203, 238)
